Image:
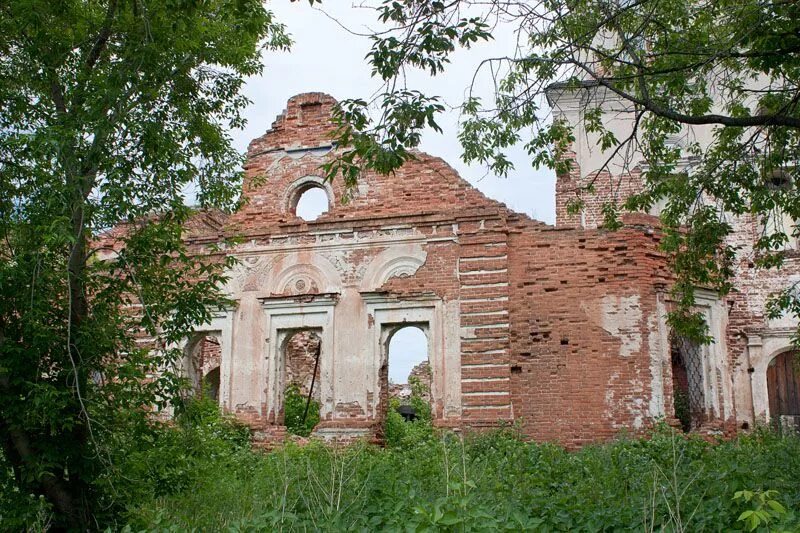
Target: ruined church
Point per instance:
(559, 329)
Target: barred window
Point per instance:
(688, 382)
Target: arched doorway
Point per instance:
(210, 384)
(202, 365)
(783, 388)
(408, 358)
(406, 376)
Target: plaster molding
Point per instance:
(395, 261)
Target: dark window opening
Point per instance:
(688, 382)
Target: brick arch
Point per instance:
(296, 188)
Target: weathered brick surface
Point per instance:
(750, 339)
(571, 379)
(302, 350)
(607, 188)
(555, 328)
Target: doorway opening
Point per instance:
(301, 398)
(203, 356)
(783, 390)
(688, 382)
(406, 379)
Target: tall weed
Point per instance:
(486, 482)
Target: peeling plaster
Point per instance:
(621, 316)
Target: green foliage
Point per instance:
(731, 65)
(765, 508)
(20, 511)
(397, 431)
(294, 407)
(109, 111)
(489, 482)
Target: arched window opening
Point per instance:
(301, 353)
(312, 203)
(204, 360)
(406, 376)
(783, 389)
(688, 382)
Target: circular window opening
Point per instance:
(312, 203)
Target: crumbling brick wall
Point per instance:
(584, 322)
(302, 350)
(751, 338)
(558, 329)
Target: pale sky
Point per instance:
(408, 347)
(326, 58)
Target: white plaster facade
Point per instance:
(330, 285)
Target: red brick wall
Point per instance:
(752, 287)
(607, 188)
(532, 343)
(301, 355)
(570, 381)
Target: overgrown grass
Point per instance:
(200, 474)
(485, 482)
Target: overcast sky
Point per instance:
(326, 58)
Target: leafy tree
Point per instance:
(728, 69)
(109, 109)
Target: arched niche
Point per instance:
(396, 261)
(315, 276)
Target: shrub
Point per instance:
(489, 481)
(294, 407)
(20, 511)
(397, 431)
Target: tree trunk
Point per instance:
(22, 456)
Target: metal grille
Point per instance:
(688, 356)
